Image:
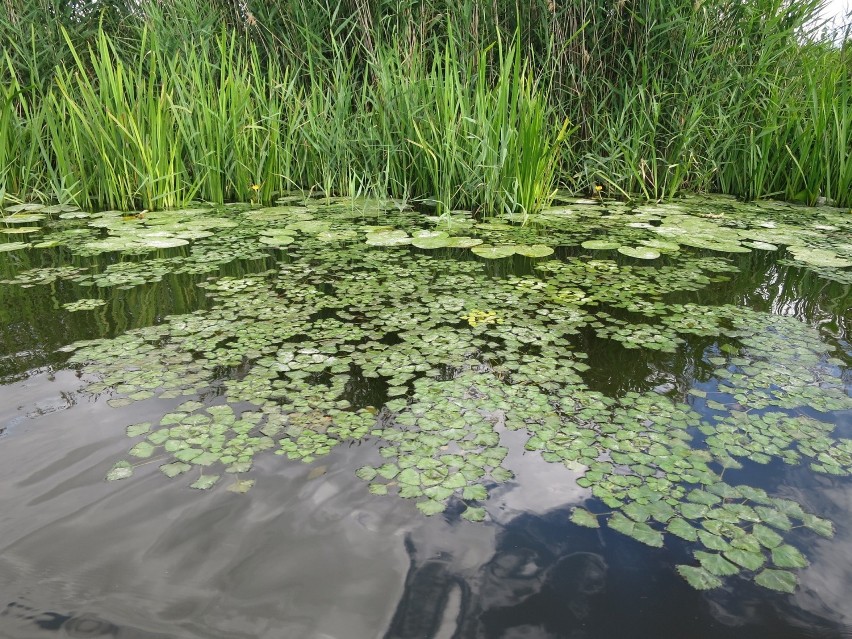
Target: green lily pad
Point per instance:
(600, 245)
(311, 227)
(661, 245)
(388, 238)
(13, 246)
(462, 242)
(162, 243)
(493, 252)
(534, 250)
(639, 252)
(762, 246)
(818, 257)
(277, 240)
(20, 230)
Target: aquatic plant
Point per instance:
(485, 107)
(363, 321)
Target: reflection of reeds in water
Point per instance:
(468, 103)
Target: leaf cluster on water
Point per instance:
(366, 296)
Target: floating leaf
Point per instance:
(763, 246)
(746, 559)
(409, 476)
(388, 238)
(430, 239)
(787, 556)
(583, 517)
(205, 482)
(716, 564)
(367, 473)
(699, 578)
(682, 529)
(661, 245)
(600, 245)
(475, 492)
(639, 531)
(142, 449)
(766, 536)
(774, 518)
(534, 250)
(174, 469)
(121, 470)
(277, 240)
(162, 243)
(239, 467)
(379, 489)
(712, 541)
(13, 246)
(241, 486)
(818, 257)
(780, 580)
(474, 514)
(431, 507)
(639, 252)
(462, 242)
(19, 230)
(493, 252)
(138, 429)
(820, 526)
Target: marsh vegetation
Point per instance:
(284, 284)
(476, 105)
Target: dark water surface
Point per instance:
(310, 553)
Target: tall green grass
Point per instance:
(478, 105)
(20, 126)
(119, 125)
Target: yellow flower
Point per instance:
(598, 188)
(255, 187)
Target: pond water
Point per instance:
(337, 419)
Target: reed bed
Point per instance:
(488, 106)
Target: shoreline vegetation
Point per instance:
(483, 106)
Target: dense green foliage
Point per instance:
(477, 104)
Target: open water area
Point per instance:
(329, 419)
